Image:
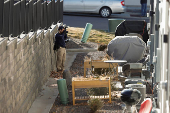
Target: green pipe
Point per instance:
(113, 23)
(86, 32)
(62, 87)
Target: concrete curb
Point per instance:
(128, 15)
(81, 50)
(70, 57)
(46, 98)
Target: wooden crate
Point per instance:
(90, 83)
(99, 64)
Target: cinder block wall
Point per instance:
(25, 65)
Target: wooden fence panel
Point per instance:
(61, 11)
(11, 17)
(45, 14)
(35, 16)
(38, 14)
(24, 15)
(6, 11)
(16, 19)
(1, 15)
(49, 14)
(30, 16)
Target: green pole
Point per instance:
(113, 23)
(86, 32)
(62, 87)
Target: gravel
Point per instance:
(76, 43)
(77, 69)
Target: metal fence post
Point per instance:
(158, 66)
(151, 48)
(157, 26)
(151, 16)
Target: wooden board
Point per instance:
(98, 64)
(90, 83)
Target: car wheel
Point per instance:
(105, 12)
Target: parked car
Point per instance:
(103, 7)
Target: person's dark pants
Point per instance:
(143, 9)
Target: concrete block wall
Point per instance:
(25, 65)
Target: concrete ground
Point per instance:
(46, 97)
(44, 102)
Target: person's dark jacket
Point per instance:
(143, 1)
(60, 39)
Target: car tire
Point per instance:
(105, 12)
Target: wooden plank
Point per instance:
(89, 98)
(73, 92)
(89, 79)
(109, 92)
(82, 99)
(99, 64)
(91, 84)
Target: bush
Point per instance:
(95, 104)
(102, 47)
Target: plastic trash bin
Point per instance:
(62, 87)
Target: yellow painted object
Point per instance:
(90, 83)
(99, 64)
